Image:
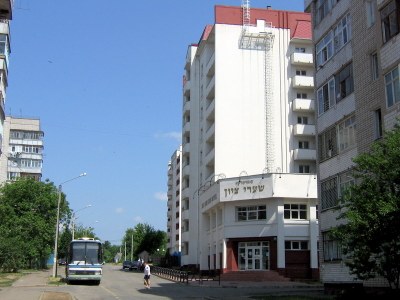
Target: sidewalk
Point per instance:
(37, 279)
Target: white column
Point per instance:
(281, 263)
(313, 237)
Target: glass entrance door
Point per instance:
(253, 256)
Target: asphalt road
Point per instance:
(118, 284)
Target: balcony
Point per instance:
(186, 107)
(210, 110)
(210, 89)
(186, 127)
(186, 87)
(209, 158)
(211, 66)
(6, 9)
(305, 105)
(303, 82)
(186, 171)
(210, 133)
(304, 130)
(185, 214)
(301, 59)
(186, 148)
(305, 154)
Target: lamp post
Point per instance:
(58, 223)
(74, 218)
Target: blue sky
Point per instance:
(105, 79)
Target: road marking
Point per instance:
(107, 290)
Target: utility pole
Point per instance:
(132, 249)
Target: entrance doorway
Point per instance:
(253, 256)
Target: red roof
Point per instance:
(302, 30)
(299, 23)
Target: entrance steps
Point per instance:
(253, 276)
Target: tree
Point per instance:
(28, 211)
(145, 238)
(370, 211)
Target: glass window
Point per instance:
(326, 96)
(295, 211)
(324, 49)
(374, 66)
(251, 213)
(331, 248)
(390, 20)
(344, 82)
(346, 133)
(342, 33)
(329, 193)
(370, 12)
(378, 124)
(392, 84)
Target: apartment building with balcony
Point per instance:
(22, 149)
(248, 145)
(5, 50)
(174, 205)
(357, 56)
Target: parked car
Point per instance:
(135, 265)
(126, 264)
(62, 262)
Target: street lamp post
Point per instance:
(74, 219)
(58, 223)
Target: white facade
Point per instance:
(5, 50)
(248, 112)
(22, 149)
(174, 205)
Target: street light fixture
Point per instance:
(74, 219)
(58, 222)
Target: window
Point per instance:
(304, 145)
(329, 193)
(392, 85)
(331, 248)
(302, 120)
(4, 46)
(300, 50)
(326, 96)
(370, 12)
(390, 16)
(344, 82)
(304, 169)
(345, 181)
(301, 95)
(346, 133)
(296, 245)
(374, 66)
(324, 49)
(323, 8)
(342, 33)
(295, 211)
(251, 213)
(327, 144)
(378, 130)
(333, 41)
(301, 72)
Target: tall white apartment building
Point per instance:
(357, 67)
(248, 185)
(22, 149)
(174, 226)
(5, 17)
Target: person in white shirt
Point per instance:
(147, 275)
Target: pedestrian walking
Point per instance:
(147, 275)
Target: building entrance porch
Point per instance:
(253, 256)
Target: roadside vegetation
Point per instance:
(370, 213)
